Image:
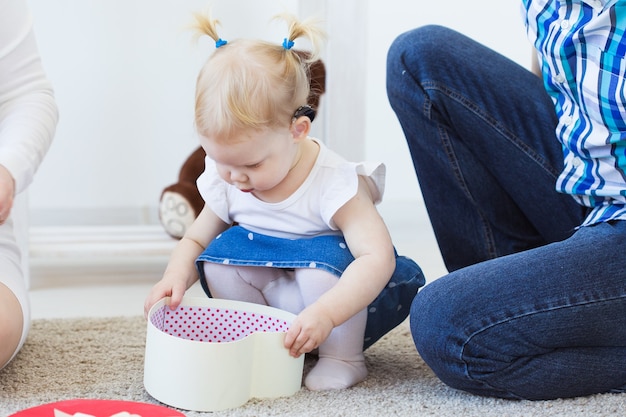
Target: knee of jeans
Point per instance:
(414, 58)
(431, 333)
(422, 43)
(436, 340)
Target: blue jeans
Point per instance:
(532, 308)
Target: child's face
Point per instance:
(254, 161)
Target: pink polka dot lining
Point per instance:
(214, 325)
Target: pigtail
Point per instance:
(299, 63)
(309, 29)
(205, 25)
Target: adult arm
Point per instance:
(28, 111)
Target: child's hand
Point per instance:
(309, 330)
(175, 289)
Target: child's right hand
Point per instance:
(181, 273)
(175, 289)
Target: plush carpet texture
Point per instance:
(103, 359)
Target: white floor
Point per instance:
(90, 274)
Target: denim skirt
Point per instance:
(241, 247)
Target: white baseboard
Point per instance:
(62, 255)
(91, 216)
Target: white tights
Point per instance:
(341, 362)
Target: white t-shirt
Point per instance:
(308, 211)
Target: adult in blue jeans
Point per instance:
(524, 179)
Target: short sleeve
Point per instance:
(213, 190)
(343, 185)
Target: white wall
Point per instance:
(124, 74)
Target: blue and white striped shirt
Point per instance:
(581, 46)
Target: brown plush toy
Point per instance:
(180, 203)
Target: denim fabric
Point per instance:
(549, 320)
(241, 247)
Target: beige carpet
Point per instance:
(103, 358)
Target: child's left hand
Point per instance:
(309, 330)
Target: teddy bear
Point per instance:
(180, 203)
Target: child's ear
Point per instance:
(300, 127)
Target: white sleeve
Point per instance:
(343, 184)
(28, 111)
(214, 190)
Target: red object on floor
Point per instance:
(99, 408)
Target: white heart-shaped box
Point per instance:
(211, 354)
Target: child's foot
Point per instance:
(330, 373)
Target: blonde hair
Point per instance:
(253, 84)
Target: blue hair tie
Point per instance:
(287, 44)
(220, 42)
